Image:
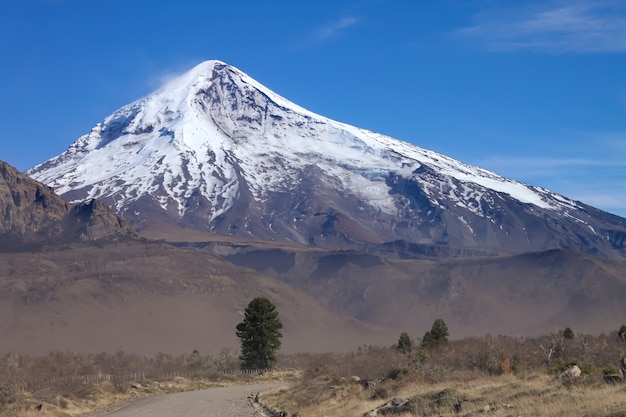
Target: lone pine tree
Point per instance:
(259, 334)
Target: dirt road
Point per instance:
(215, 402)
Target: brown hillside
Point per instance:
(148, 298)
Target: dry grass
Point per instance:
(505, 395)
(474, 377)
(488, 376)
(106, 396)
(67, 384)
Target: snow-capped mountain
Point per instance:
(216, 150)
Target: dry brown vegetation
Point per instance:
(507, 376)
(505, 395)
(69, 384)
(479, 376)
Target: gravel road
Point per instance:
(214, 402)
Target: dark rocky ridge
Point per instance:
(32, 214)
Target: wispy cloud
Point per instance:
(335, 28)
(534, 164)
(553, 26)
(328, 31)
(599, 183)
(594, 180)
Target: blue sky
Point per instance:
(533, 90)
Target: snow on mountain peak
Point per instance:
(213, 129)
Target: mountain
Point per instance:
(32, 214)
(215, 150)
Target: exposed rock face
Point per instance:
(215, 150)
(29, 209)
(31, 213)
(93, 220)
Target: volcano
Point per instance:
(215, 150)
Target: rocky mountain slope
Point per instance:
(215, 150)
(31, 213)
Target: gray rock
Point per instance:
(396, 405)
(573, 372)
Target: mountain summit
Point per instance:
(215, 150)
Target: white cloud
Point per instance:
(534, 165)
(607, 201)
(591, 168)
(335, 28)
(324, 33)
(554, 26)
(595, 181)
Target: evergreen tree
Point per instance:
(405, 343)
(438, 334)
(428, 341)
(440, 331)
(621, 333)
(259, 335)
(568, 333)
